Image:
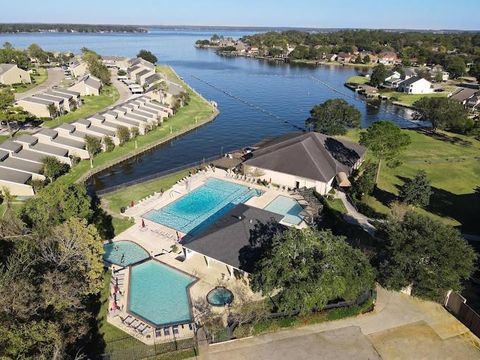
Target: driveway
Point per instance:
(123, 89)
(55, 77)
(400, 327)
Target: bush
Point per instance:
(108, 144)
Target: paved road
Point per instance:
(55, 77)
(123, 89)
(400, 327)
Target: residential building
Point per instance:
(388, 58)
(310, 160)
(87, 85)
(40, 108)
(416, 85)
(437, 71)
(141, 76)
(142, 63)
(468, 97)
(119, 62)
(344, 57)
(78, 68)
(11, 74)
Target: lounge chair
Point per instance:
(141, 327)
(130, 320)
(147, 330)
(134, 324)
(126, 318)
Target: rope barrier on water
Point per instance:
(249, 104)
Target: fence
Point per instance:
(157, 175)
(457, 305)
(128, 348)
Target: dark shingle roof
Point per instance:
(10, 145)
(229, 237)
(310, 155)
(14, 176)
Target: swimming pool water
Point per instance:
(287, 207)
(158, 293)
(124, 253)
(203, 206)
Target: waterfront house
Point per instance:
(388, 58)
(87, 85)
(119, 62)
(470, 98)
(416, 85)
(437, 71)
(142, 63)
(344, 57)
(11, 74)
(141, 76)
(395, 78)
(78, 68)
(305, 160)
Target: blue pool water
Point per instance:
(203, 206)
(287, 207)
(124, 253)
(158, 293)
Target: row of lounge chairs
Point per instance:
(164, 234)
(136, 325)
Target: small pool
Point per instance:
(288, 207)
(124, 253)
(159, 293)
(200, 208)
(220, 296)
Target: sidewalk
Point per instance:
(353, 216)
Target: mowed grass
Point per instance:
(91, 105)
(452, 164)
(37, 79)
(409, 99)
(357, 80)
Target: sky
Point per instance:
(391, 14)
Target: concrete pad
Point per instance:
(420, 341)
(345, 343)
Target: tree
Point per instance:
(94, 147)
(305, 269)
(123, 134)
(147, 55)
(367, 59)
(456, 66)
(54, 168)
(426, 254)
(333, 117)
(379, 74)
(36, 52)
(364, 184)
(443, 113)
(385, 140)
(53, 111)
(416, 191)
(475, 70)
(134, 132)
(108, 144)
(121, 72)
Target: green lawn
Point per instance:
(91, 105)
(357, 80)
(37, 79)
(409, 99)
(452, 163)
(336, 204)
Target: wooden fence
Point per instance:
(457, 305)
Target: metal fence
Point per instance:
(156, 175)
(129, 348)
(457, 305)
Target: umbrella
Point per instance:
(143, 223)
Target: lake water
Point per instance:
(269, 99)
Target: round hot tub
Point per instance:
(220, 296)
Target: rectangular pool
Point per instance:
(287, 207)
(200, 208)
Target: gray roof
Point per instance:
(139, 112)
(30, 155)
(126, 121)
(5, 67)
(14, 176)
(49, 149)
(45, 96)
(148, 110)
(22, 165)
(111, 124)
(68, 127)
(28, 139)
(97, 117)
(152, 78)
(410, 81)
(60, 140)
(142, 62)
(129, 115)
(91, 81)
(82, 135)
(84, 122)
(48, 132)
(111, 113)
(133, 68)
(66, 91)
(229, 237)
(10, 145)
(309, 155)
(3, 154)
(100, 130)
(174, 88)
(58, 94)
(37, 100)
(143, 72)
(121, 109)
(464, 94)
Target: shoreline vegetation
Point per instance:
(69, 28)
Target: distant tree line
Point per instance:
(84, 28)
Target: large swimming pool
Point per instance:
(203, 206)
(159, 294)
(124, 253)
(288, 207)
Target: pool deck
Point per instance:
(158, 241)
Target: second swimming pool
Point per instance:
(203, 206)
(287, 207)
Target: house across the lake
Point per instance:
(310, 160)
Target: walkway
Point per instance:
(55, 77)
(353, 216)
(400, 327)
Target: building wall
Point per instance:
(289, 180)
(17, 189)
(79, 71)
(15, 76)
(39, 110)
(84, 89)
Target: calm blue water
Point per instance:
(201, 207)
(124, 253)
(158, 293)
(287, 207)
(272, 96)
